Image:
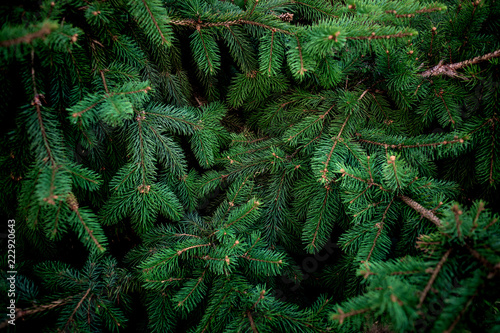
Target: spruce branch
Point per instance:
(36, 309)
(73, 205)
(419, 145)
(420, 11)
(493, 268)
(46, 29)
(342, 315)
(252, 323)
(329, 156)
(37, 103)
(197, 25)
(107, 96)
(373, 36)
(76, 308)
(459, 316)
(163, 39)
(451, 69)
(423, 211)
(199, 280)
(433, 277)
(379, 226)
(440, 95)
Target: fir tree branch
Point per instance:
(251, 247)
(79, 113)
(37, 103)
(73, 205)
(141, 152)
(320, 217)
(163, 39)
(492, 155)
(380, 226)
(440, 95)
(277, 262)
(420, 11)
(197, 25)
(302, 70)
(76, 308)
(434, 275)
(342, 316)
(373, 36)
(423, 211)
(179, 252)
(488, 265)
(403, 146)
(261, 297)
(253, 8)
(195, 126)
(214, 312)
(40, 308)
(269, 67)
(206, 51)
(104, 81)
(320, 117)
(451, 69)
(329, 156)
(252, 323)
(457, 319)
(28, 38)
(56, 218)
(189, 235)
(193, 289)
(255, 205)
(491, 223)
(167, 280)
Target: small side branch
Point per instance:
(451, 69)
(41, 308)
(26, 39)
(252, 323)
(423, 211)
(373, 36)
(433, 277)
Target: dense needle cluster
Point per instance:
(252, 166)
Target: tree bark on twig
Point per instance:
(451, 69)
(422, 210)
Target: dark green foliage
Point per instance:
(251, 166)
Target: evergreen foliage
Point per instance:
(251, 166)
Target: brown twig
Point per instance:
(433, 277)
(21, 313)
(423, 211)
(44, 30)
(451, 69)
